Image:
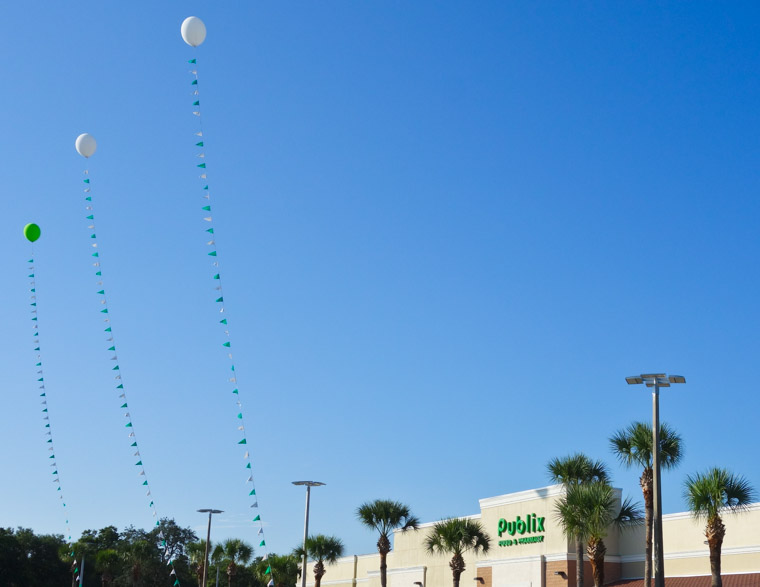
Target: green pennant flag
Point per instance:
(40, 379)
(115, 368)
(240, 416)
(98, 273)
(107, 329)
(205, 187)
(47, 425)
(92, 236)
(241, 442)
(257, 519)
(227, 344)
(104, 311)
(253, 492)
(45, 410)
(102, 292)
(111, 348)
(55, 472)
(86, 180)
(201, 143)
(248, 466)
(35, 318)
(223, 321)
(212, 254)
(191, 61)
(37, 348)
(176, 582)
(89, 198)
(33, 290)
(124, 405)
(263, 543)
(145, 483)
(194, 82)
(236, 391)
(133, 444)
(96, 254)
(30, 275)
(201, 165)
(207, 208)
(269, 569)
(220, 300)
(198, 103)
(211, 230)
(138, 463)
(216, 276)
(91, 217)
(129, 425)
(120, 386)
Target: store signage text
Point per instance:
(531, 525)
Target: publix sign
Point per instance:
(531, 525)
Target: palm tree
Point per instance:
(107, 563)
(321, 549)
(456, 536)
(196, 551)
(236, 551)
(573, 470)
(283, 570)
(385, 516)
(633, 447)
(708, 495)
(587, 510)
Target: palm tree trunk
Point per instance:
(457, 568)
(647, 488)
(579, 561)
(714, 533)
(596, 552)
(383, 547)
(319, 571)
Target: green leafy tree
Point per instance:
(385, 516)
(633, 448)
(587, 510)
(456, 536)
(283, 569)
(574, 470)
(30, 560)
(236, 552)
(707, 495)
(321, 549)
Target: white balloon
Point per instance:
(193, 31)
(86, 145)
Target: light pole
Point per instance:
(208, 541)
(309, 485)
(656, 380)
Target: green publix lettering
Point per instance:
(530, 525)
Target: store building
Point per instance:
(528, 549)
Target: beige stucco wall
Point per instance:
(685, 553)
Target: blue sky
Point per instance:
(447, 233)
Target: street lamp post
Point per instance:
(656, 380)
(210, 512)
(309, 485)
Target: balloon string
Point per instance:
(45, 408)
(119, 386)
(219, 289)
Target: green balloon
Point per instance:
(32, 232)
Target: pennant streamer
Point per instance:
(32, 235)
(216, 277)
(110, 343)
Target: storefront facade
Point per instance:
(528, 549)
